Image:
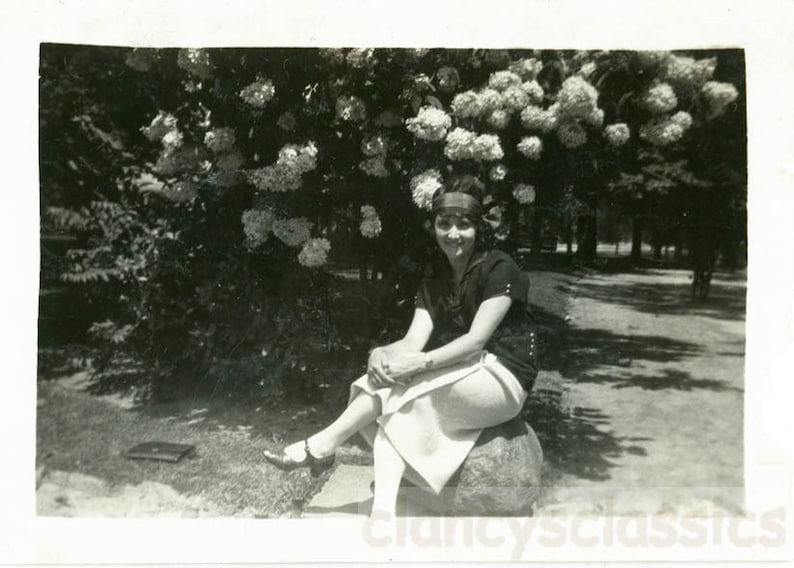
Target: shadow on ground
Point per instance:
(727, 297)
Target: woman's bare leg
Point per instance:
(389, 469)
(362, 410)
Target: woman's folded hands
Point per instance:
(386, 369)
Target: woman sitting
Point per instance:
(466, 362)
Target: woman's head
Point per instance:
(457, 217)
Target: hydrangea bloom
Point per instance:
(533, 90)
(498, 172)
(571, 134)
(515, 98)
(719, 96)
(161, 124)
(257, 224)
(277, 178)
(660, 98)
(374, 145)
(351, 108)
(466, 105)
(181, 191)
(448, 79)
(430, 124)
(292, 232)
(370, 224)
(524, 193)
(577, 98)
(302, 158)
(497, 57)
(595, 118)
(359, 58)
(375, 166)
(139, 59)
(490, 100)
(196, 62)
(229, 160)
(286, 121)
(219, 139)
(662, 131)
(463, 144)
(258, 93)
(314, 253)
(185, 158)
(688, 72)
(499, 119)
(527, 69)
(423, 186)
(536, 118)
(617, 134)
(172, 140)
(531, 147)
(501, 80)
(682, 119)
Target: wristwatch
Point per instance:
(428, 361)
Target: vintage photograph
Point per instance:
(325, 283)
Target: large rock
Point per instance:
(500, 477)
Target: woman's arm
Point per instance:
(488, 317)
(414, 340)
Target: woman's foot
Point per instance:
(299, 455)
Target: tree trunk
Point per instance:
(536, 237)
(656, 241)
(638, 226)
(589, 241)
(678, 251)
(569, 238)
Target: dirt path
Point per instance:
(652, 419)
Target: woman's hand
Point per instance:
(402, 366)
(378, 368)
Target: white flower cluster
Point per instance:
(514, 99)
(285, 175)
(498, 172)
(688, 72)
(498, 119)
(665, 130)
(448, 79)
(351, 108)
(617, 134)
(571, 134)
(429, 124)
(535, 118)
(172, 140)
(139, 59)
(258, 93)
(577, 98)
(524, 193)
(423, 186)
(533, 90)
(286, 121)
(531, 147)
(587, 69)
(466, 145)
(292, 232)
(219, 139)
(527, 69)
(257, 223)
(370, 224)
(501, 80)
(361, 58)
(314, 253)
(375, 166)
(196, 62)
(466, 105)
(375, 146)
(719, 96)
(659, 98)
(161, 125)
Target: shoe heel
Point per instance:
(318, 467)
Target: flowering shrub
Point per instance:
(430, 124)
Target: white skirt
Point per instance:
(434, 421)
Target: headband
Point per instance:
(457, 202)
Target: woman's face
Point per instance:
(455, 235)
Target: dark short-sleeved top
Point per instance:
(452, 309)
